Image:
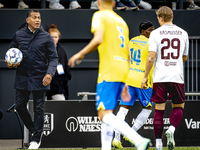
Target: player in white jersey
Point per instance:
(169, 42)
(168, 49)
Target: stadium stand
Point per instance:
(85, 4)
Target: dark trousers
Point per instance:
(35, 126)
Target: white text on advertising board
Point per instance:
(83, 124)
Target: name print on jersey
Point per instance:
(170, 33)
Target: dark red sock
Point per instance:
(176, 116)
(158, 123)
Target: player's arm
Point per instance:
(92, 46)
(184, 58)
(185, 52)
(94, 43)
(149, 64)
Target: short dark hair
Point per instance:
(32, 10)
(145, 25)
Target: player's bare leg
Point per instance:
(108, 118)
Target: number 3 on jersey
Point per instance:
(121, 36)
(135, 56)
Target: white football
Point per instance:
(13, 55)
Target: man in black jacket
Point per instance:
(34, 73)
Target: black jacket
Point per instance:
(39, 58)
(59, 82)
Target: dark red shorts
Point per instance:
(168, 91)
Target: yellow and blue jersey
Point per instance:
(138, 48)
(113, 53)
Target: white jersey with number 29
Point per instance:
(170, 43)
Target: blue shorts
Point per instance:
(108, 94)
(144, 96)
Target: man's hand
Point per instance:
(12, 65)
(125, 94)
(73, 59)
(47, 79)
(144, 84)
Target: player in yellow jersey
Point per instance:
(111, 37)
(138, 47)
